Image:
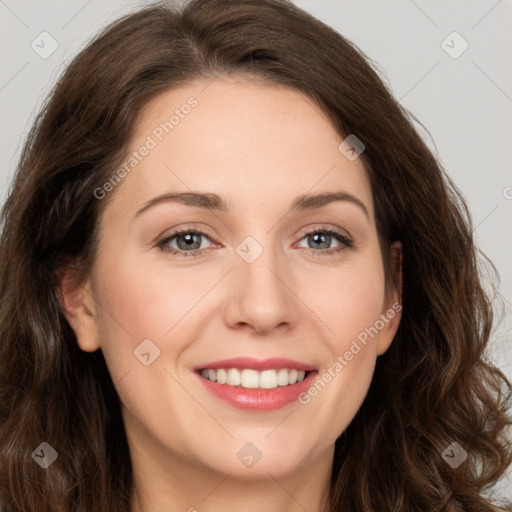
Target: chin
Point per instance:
(248, 460)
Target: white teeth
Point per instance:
(282, 377)
(268, 379)
(222, 376)
(252, 379)
(233, 377)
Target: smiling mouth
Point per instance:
(253, 379)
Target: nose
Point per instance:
(262, 296)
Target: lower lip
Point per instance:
(258, 399)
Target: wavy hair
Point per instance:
(433, 387)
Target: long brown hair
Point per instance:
(433, 387)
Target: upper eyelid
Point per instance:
(337, 230)
(188, 229)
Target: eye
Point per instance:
(188, 242)
(323, 238)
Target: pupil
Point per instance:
(322, 236)
(189, 241)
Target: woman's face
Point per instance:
(265, 283)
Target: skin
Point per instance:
(259, 146)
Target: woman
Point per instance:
(172, 336)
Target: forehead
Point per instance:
(251, 143)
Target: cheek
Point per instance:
(135, 305)
(347, 300)
(146, 301)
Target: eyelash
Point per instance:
(346, 242)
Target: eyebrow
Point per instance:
(210, 201)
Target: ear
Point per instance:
(79, 307)
(392, 313)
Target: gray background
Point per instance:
(465, 103)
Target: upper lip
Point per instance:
(275, 363)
